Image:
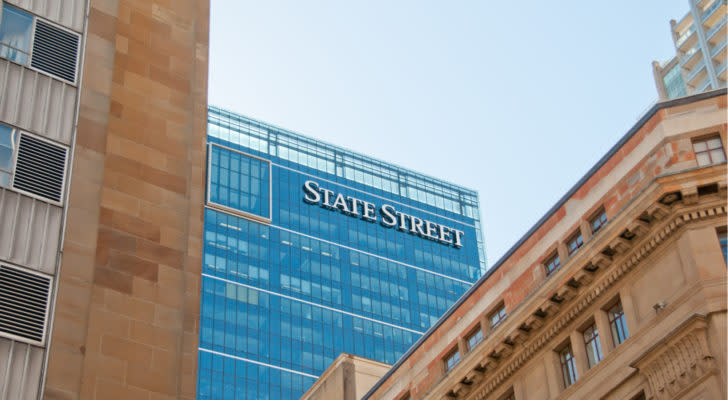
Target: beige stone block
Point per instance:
(125, 349)
(153, 335)
(145, 377)
(117, 391)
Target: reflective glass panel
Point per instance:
(281, 300)
(15, 32)
(7, 145)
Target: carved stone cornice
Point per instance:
(679, 361)
(543, 328)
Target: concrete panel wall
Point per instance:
(29, 232)
(36, 102)
(68, 13)
(20, 369)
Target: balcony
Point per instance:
(714, 12)
(718, 32)
(691, 58)
(720, 70)
(718, 52)
(696, 75)
(687, 40)
(703, 86)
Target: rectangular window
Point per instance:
(497, 316)
(552, 264)
(452, 360)
(591, 341)
(568, 367)
(618, 324)
(16, 29)
(598, 221)
(239, 182)
(8, 144)
(708, 151)
(475, 338)
(574, 243)
(39, 44)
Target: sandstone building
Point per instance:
(618, 292)
(102, 130)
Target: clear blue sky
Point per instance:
(516, 99)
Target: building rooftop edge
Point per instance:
(612, 151)
(344, 149)
(337, 361)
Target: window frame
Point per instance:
(554, 260)
(708, 150)
(35, 17)
(613, 323)
(235, 211)
(592, 343)
(577, 238)
(601, 217)
(15, 141)
(569, 374)
(452, 355)
(474, 334)
(500, 312)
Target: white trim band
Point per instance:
(373, 255)
(217, 353)
(214, 208)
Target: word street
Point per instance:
(390, 217)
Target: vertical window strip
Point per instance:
(593, 348)
(568, 367)
(618, 324)
(452, 360)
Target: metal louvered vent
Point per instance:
(55, 51)
(40, 168)
(23, 303)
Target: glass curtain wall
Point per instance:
(288, 285)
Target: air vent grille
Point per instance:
(55, 51)
(40, 168)
(23, 303)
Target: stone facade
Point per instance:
(658, 255)
(126, 317)
(347, 378)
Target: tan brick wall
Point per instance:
(126, 319)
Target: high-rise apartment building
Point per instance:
(700, 43)
(311, 250)
(102, 138)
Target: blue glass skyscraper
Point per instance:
(311, 250)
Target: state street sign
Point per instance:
(391, 218)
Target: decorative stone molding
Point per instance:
(679, 361)
(494, 371)
(690, 195)
(658, 211)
